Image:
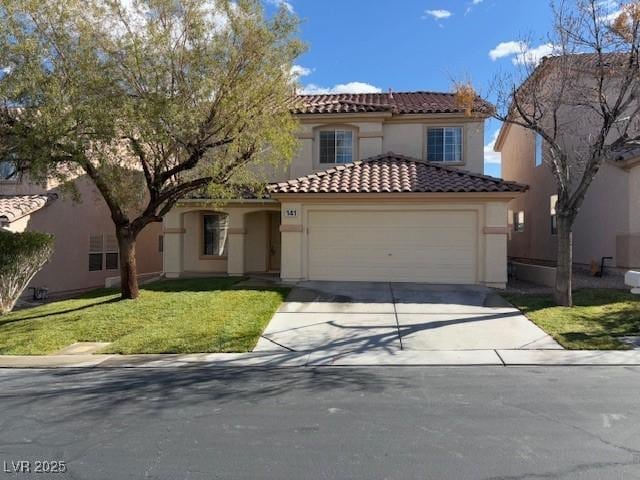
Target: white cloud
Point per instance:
(534, 55)
(438, 14)
(350, 87)
(281, 3)
(135, 14)
(506, 49)
(471, 5)
(522, 53)
(489, 155)
(298, 71)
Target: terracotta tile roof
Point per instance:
(393, 102)
(587, 61)
(392, 173)
(14, 207)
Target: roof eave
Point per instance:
(309, 116)
(398, 195)
(502, 135)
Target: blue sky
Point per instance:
(416, 44)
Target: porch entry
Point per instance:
(274, 242)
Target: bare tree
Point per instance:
(583, 100)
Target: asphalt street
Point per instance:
(326, 423)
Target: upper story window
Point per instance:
(336, 146)
(214, 230)
(538, 151)
(8, 170)
(444, 144)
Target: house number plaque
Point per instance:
(290, 212)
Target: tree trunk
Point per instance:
(563, 290)
(128, 269)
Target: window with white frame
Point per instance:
(518, 221)
(214, 228)
(336, 146)
(538, 150)
(444, 144)
(552, 212)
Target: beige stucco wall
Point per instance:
(409, 139)
(492, 228)
(404, 134)
(19, 225)
(257, 241)
(72, 223)
(628, 245)
(634, 199)
(606, 213)
(248, 238)
(193, 260)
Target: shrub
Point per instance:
(22, 255)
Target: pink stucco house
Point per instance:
(608, 223)
(86, 251)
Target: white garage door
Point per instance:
(396, 246)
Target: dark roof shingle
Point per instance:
(392, 173)
(393, 102)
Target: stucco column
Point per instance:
(237, 233)
(173, 233)
(292, 229)
(495, 243)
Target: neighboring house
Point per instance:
(85, 248)
(346, 210)
(608, 223)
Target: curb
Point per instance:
(329, 358)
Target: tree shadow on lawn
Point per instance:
(581, 298)
(208, 284)
(58, 312)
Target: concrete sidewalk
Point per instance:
(328, 358)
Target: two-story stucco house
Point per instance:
(385, 187)
(608, 223)
(85, 247)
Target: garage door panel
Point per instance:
(424, 246)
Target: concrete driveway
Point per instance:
(363, 316)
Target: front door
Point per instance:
(274, 242)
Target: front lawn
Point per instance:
(170, 316)
(598, 316)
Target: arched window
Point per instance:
(214, 234)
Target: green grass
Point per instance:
(598, 316)
(170, 316)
